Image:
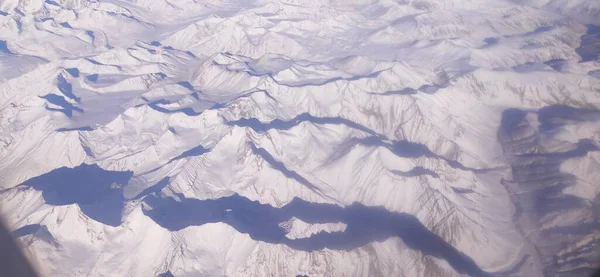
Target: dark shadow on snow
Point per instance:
(413, 150)
(196, 151)
(553, 116)
(66, 88)
(538, 185)
(83, 128)
(67, 108)
(26, 230)
(364, 225)
(404, 91)
(73, 71)
(278, 124)
(265, 155)
(400, 148)
(462, 190)
(543, 29)
(582, 147)
(416, 171)
(589, 49)
(54, 3)
(166, 274)
(431, 89)
(93, 61)
(66, 25)
(156, 106)
(512, 118)
(92, 77)
(4, 47)
(19, 12)
(556, 64)
(186, 84)
(39, 231)
(490, 41)
(98, 192)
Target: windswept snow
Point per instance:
(301, 137)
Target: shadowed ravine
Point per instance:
(400, 148)
(364, 224)
(538, 188)
(99, 194)
(278, 124)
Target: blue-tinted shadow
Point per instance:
(92, 77)
(186, 84)
(67, 108)
(83, 128)
(26, 230)
(556, 64)
(554, 116)
(4, 47)
(166, 274)
(490, 41)
(280, 166)
(404, 91)
(278, 124)
(196, 151)
(416, 171)
(589, 49)
(537, 173)
(400, 148)
(364, 225)
(54, 3)
(65, 87)
(98, 192)
(73, 71)
(413, 150)
(187, 111)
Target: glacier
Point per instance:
(302, 137)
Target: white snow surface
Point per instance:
(276, 100)
(296, 228)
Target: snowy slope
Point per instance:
(301, 137)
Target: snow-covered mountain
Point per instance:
(302, 137)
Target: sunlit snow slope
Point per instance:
(302, 137)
